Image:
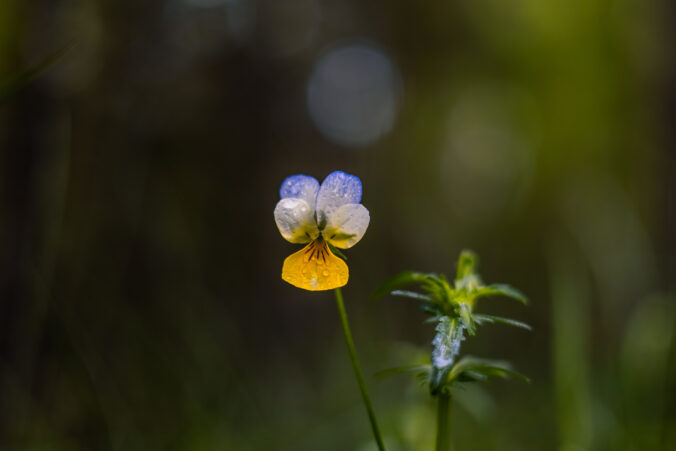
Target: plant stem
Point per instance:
(357, 369)
(444, 423)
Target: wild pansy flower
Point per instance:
(320, 215)
(327, 217)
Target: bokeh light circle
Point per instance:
(353, 94)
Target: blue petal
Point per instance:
(338, 188)
(301, 187)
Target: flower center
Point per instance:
(317, 251)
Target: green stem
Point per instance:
(444, 423)
(357, 369)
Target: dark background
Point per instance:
(142, 147)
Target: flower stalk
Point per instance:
(443, 422)
(358, 374)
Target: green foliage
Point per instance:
(501, 290)
(451, 307)
(467, 263)
(401, 280)
(413, 295)
(477, 369)
(481, 319)
(412, 368)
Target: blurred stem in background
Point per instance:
(443, 423)
(357, 369)
(14, 85)
(570, 342)
(644, 374)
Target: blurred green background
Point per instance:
(142, 147)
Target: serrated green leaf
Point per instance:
(500, 290)
(412, 295)
(471, 376)
(470, 367)
(481, 319)
(435, 286)
(401, 280)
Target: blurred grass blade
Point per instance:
(501, 290)
(10, 88)
(572, 329)
(645, 373)
(480, 319)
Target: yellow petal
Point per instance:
(315, 268)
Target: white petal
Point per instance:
(300, 187)
(295, 220)
(347, 225)
(338, 189)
